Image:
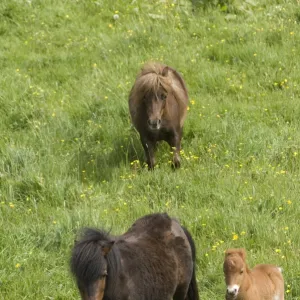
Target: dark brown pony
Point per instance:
(158, 103)
(153, 260)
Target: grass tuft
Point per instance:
(69, 157)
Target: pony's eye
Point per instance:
(163, 97)
(242, 271)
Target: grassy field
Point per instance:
(69, 156)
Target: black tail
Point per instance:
(193, 293)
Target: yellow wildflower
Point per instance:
(235, 237)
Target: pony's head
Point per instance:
(89, 264)
(153, 86)
(234, 270)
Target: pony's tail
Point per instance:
(193, 293)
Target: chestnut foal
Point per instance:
(263, 282)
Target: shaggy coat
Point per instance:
(153, 260)
(158, 104)
(263, 282)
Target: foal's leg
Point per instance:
(174, 142)
(149, 148)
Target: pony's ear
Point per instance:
(165, 71)
(106, 247)
(228, 252)
(242, 253)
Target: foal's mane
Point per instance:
(87, 257)
(233, 254)
(152, 77)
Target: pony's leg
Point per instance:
(181, 293)
(174, 142)
(149, 148)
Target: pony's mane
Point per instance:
(232, 255)
(151, 78)
(86, 255)
(87, 258)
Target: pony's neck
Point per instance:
(114, 272)
(171, 106)
(247, 282)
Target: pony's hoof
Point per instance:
(176, 164)
(150, 166)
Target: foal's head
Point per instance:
(235, 269)
(89, 264)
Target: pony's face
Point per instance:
(234, 270)
(155, 104)
(92, 288)
(93, 291)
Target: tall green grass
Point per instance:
(70, 158)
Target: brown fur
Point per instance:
(154, 259)
(263, 282)
(148, 108)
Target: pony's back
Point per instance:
(269, 280)
(180, 93)
(154, 259)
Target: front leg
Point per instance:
(149, 148)
(174, 142)
(181, 293)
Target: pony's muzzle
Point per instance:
(233, 290)
(154, 124)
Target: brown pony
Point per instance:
(158, 103)
(263, 282)
(153, 260)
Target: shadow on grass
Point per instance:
(99, 164)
